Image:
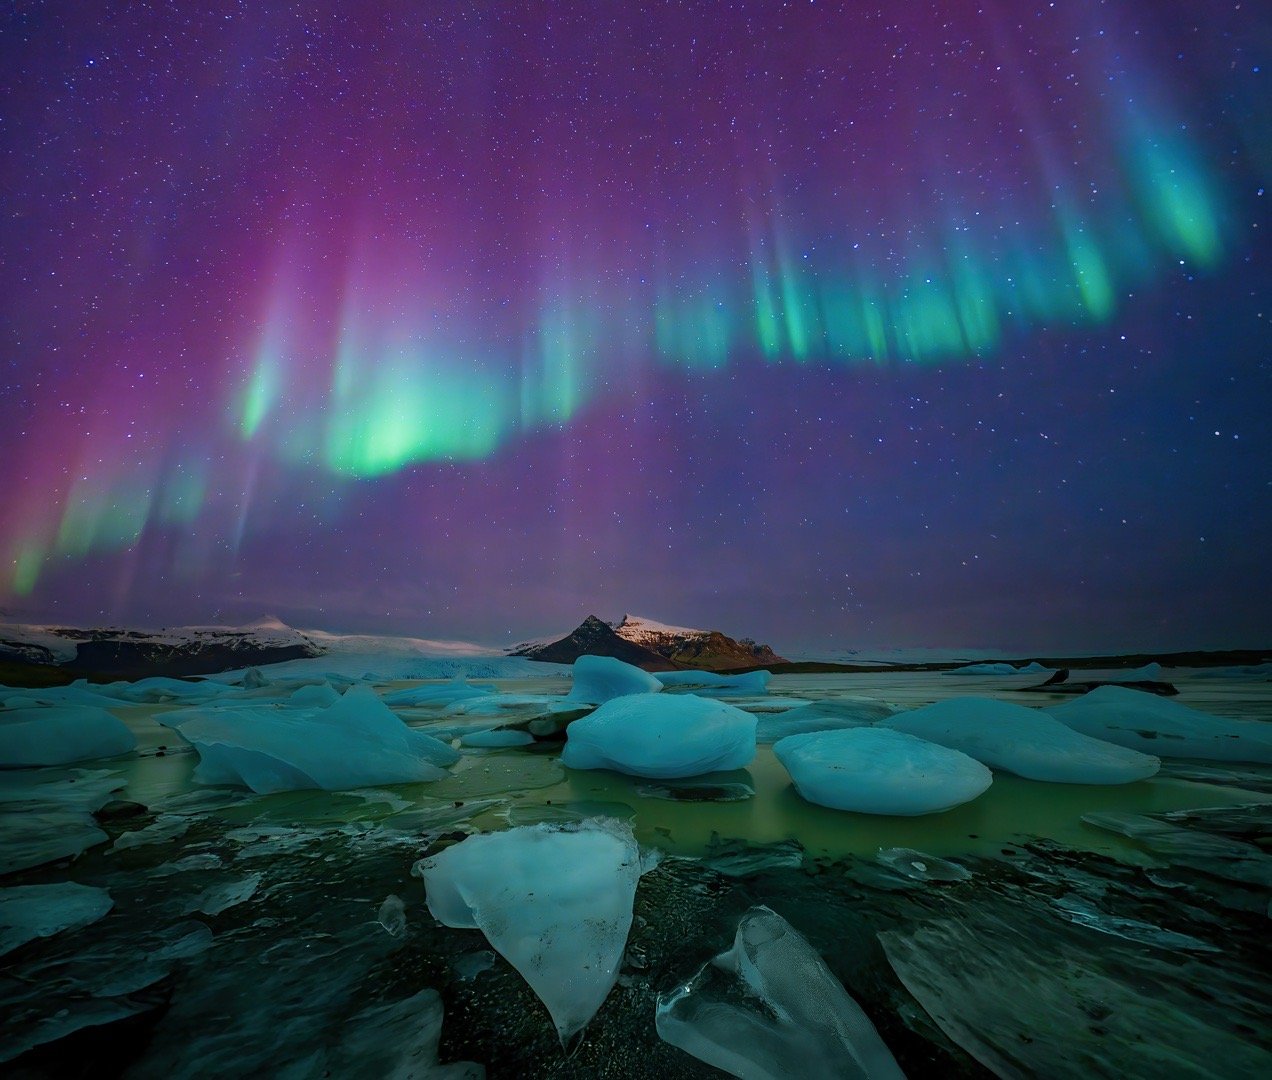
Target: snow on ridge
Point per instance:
(39, 642)
(61, 640)
(531, 643)
(374, 644)
(28, 640)
(637, 629)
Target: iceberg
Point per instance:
(218, 898)
(769, 1008)
(601, 678)
(392, 915)
(1152, 724)
(397, 1042)
(543, 715)
(357, 742)
(43, 820)
(661, 737)
(457, 689)
(496, 737)
(164, 828)
(1031, 668)
(917, 866)
(519, 707)
(1027, 994)
(713, 683)
(555, 900)
(879, 771)
(28, 912)
(314, 696)
(1023, 741)
(60, 735)
(832, 715)
(160, 689)
(77, 693)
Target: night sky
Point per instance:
(837, 325)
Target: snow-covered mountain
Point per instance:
(113, 652)
(651, 645)
(652, 634)
(185, 650)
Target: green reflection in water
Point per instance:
(532, 785)
(1012, 810)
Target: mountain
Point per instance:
(53, 655)
(595, 638)
(175, 651)
(651, 645)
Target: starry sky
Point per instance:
(838, 325)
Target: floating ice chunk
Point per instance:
(1257, 672)
(457, 689)
(203, 860)
(392, 915)
(60, 735)
(36, 837)
(164, 828)
(993, 980)
(472, 964)
(832, 715)
(195, 938)
(1032, 668)
(43, 820)
(704, 790)
(554, 900)
(1023, 741)
(315, 696)
(543, 715)
(78, 693)
(1155, 725)
(662, 737)
(254, 679)
(767, 704)
(601, 678)
(573, 810)
(397, 1042)
(740, 859)
(28, 912)
(497, 737)
(879, 771)
(219, 898)
(159, 689)
(357, 742)
(360, 709)
(1216, 855)
(75, 1016)
(1083, 913)
(713, 683)
(920, 867)
(792, 1017)
(519, 705)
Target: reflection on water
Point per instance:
(527, 782)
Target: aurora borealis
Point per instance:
(835, 324)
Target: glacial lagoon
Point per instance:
(1048, 929)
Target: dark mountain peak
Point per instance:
(596, 638)
(652, 646)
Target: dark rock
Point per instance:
(120, 810)
(1161, 689)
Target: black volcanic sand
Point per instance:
(1175, 956)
